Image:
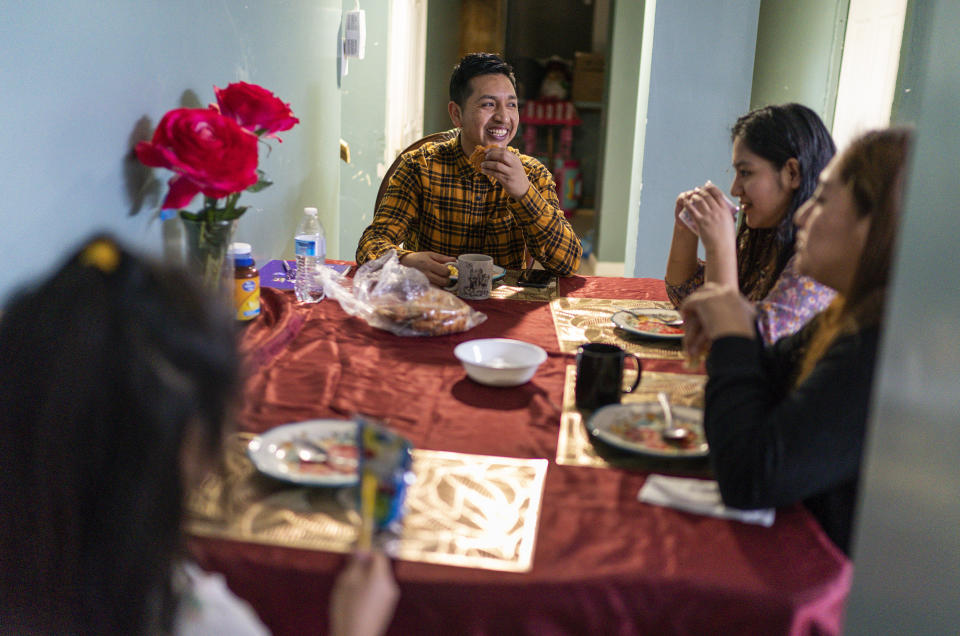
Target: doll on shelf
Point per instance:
(556, 80)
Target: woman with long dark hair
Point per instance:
(115, 379)
(778, 152)
(787, 423)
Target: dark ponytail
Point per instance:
(104, 367)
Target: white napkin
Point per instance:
(699, 496)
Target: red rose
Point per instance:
(209, 152)
(255, 108)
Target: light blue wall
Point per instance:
(82, 81)
(907, 543)
(364, 116)
(701, 64)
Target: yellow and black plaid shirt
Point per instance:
(437, 202)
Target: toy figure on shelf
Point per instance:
(556, 80)
(554, 110)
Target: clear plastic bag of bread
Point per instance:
(399, 299)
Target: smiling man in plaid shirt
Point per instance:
(438, 206)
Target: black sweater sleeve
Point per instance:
(774, 445)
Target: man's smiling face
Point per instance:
(490, 115)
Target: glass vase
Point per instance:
(206, 252)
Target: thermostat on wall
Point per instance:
(355, 34)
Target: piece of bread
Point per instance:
(479, 155)
(433, 313)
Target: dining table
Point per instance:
(518, 521)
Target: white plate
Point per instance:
(649, 328)
(338, 437)
(637, 427)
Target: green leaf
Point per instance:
(262, 182)
(233, 213)
(191, 216)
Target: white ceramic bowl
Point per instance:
(500, 361)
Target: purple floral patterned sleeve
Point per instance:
(788, 306)
(791, 303)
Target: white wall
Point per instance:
(82, 82)
(868, 71)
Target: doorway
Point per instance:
(559, 49)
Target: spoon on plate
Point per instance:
(670, 322)
(670, 432)
(303, 450)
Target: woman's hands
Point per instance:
(714, 311)
(714, 217)
(682, 260)
(364, 596)
(682, 200)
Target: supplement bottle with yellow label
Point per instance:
(246, 282)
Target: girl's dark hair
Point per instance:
(471, 66)
(777, 134)
(105, 367)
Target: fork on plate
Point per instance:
(670, 322)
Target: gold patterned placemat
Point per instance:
(576, 448)
(464, 510)
(582, 320)
(507, 288)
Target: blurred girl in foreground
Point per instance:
(778, 152)
(787, 423)
(115, 381)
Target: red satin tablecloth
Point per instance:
(604, 563)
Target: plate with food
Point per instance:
(650, 323)
(638, 427)
(312, 453)
(496, 272)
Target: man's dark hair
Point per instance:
(472, 65)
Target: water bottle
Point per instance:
(311, 250)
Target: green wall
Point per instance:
(906, 547)
(443, 52)
(799, 46)
(624, 124)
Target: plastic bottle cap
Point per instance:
(243, 260)
(235, 249)
(310, 211)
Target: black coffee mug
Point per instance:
(600, 375)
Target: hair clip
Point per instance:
(102, 254)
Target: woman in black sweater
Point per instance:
(787, 423)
